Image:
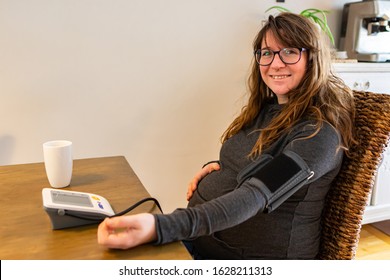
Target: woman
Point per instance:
(263, 199)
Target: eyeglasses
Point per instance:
(264, 57)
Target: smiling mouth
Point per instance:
(279, 77)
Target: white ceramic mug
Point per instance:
(58, 162)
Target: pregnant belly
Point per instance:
(214, 185)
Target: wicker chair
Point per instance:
(349, 194)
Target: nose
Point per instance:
(277, 62)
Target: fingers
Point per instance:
(213, 167)
(190, 190)
(192, 186)
(127, 231)
(116, 239)
(119, 222)
(106, 230)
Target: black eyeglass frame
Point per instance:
(277, 52)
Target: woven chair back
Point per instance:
(350, 192)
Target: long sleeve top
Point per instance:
(226, 222)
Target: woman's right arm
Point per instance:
(207, 169)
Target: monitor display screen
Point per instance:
(71, 198)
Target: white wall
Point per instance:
(157, 81)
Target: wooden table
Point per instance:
(25, 229)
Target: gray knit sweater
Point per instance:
(225, 222)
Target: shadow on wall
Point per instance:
(7, 144)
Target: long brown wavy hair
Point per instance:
(320, 95)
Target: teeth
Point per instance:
(279, 77)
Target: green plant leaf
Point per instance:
(313, 12)
(317, 15)
(324, 26)
(279, 8)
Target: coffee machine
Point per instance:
(365, 30)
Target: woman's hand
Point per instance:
(214, 166)
(126, 232)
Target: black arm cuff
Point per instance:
(277, 178)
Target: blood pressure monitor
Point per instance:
(70, 208)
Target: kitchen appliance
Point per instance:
(365, 30)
